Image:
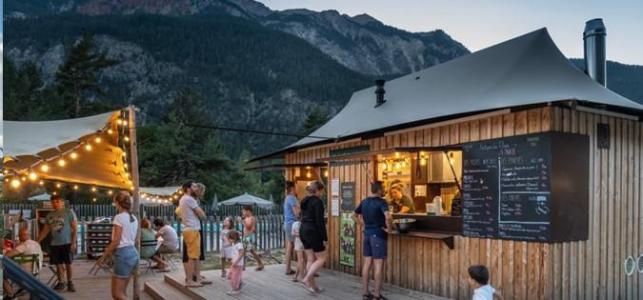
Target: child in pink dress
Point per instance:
(236, 268)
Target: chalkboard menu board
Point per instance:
(348, 196)
(509, 189)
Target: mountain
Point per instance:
(265, 80)
(360, 43)
(627, 80)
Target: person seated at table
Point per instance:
(169, 243)
(148, 239)
(400, 202)
(27, 247)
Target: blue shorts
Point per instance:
(125, 260)
(288, 231)
(374, 246)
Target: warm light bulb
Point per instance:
(126, 139)
(422, 161)
(125, 166)
(124, 123)
(110, 192)
(308, 175)
(94, 199)
(5, 172)
(98, 140)
(119, 122)
(15, 183)
(41, 182)
(398, 165)
(93, 189)
(397, 154)
(75, 187)
(326, 173)
(54, 193)
(73, 155)
(6, 180)
(44, 168)
(110, 132)
(88, 147)
(62, 162)
(124, 154)
(58, 185)
(23, 178)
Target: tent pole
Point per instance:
(134, 167)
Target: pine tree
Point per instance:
(77, 78)
(315, 119)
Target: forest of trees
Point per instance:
(170, 151)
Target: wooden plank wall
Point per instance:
(591, 269)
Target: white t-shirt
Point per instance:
(295, 228)
(484, 292)
(30, 247)
(189, 219)
(237, 248)
(129, 229)
(169, 236)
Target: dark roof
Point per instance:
(526, 70)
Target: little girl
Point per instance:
(236, 268)
(299, 250)
(226, 247)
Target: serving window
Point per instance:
(422, 182)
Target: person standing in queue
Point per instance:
(62, 224)
(377, 222)
(190, 213)
(400, 202)
(291, 210)
(313, 234)
(123, 246)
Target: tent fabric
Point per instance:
(247, 199)
(160, 191)
(32, 144)
(41, 197)
(526, 70)
(26, 138)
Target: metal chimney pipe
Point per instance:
(594, 43)
(379, 92)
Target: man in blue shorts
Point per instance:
(374, 216)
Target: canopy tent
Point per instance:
(523, 71)
(91, 151)
(159, 195)
(247, 199)
(40, 197)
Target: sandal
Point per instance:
(290, 272)
(308, 288)
(368, 296)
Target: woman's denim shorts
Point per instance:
(125, 260)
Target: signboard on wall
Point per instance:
(347, 240)
(347, 192)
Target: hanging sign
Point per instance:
(348, 196)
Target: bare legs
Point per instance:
(257, 258)
(366, 270)
(119, 288)
(314, 262)
(289, 250)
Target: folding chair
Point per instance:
(147, 259)
(35, 262)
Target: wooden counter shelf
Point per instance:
(447, 238)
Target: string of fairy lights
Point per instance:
(17, 179)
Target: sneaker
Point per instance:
(70, 287)
(233, 292)
(59, 286)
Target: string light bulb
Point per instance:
(75, 187)
(124, 123)
(93, 189)
(58, 185)
(62, 162)
(97, 140)
(73, 155)
(119, 121)
(110, 131)
(6, 180)
(15, 183)
(88, 147)
(308, 175)
(126, 139)
(42, 183)
(422, 161)
(94, 199)
(44, 168)
(326, 173)
(54, 193)
(23, 178)
(110, 192)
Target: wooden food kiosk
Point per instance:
(538, 168)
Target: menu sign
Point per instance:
(506, 188)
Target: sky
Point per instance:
(481, 23)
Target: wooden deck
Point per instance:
(268, 284)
